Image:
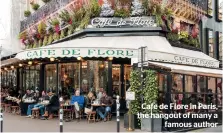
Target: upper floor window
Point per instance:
(210, 7)
(210, 43)
(220, 45)
(220, 8)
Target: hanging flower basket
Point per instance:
(45, 1)
(27, 13)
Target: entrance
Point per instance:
(120, 79)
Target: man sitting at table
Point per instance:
(80, 101)
(38, 105)
(52, 106)
(106, 102)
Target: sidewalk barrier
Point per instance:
(61, 115)
(118, 114)
(1, 119)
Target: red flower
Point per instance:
(163, 17)
(38, 36)
(175, 30)
(70, 21)
(23, 40)
(57, 28)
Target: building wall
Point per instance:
(211, 23)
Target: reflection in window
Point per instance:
(219, 85)
(220, 45)
(116, 71)
(201, 84)
(162, 82)
(94, 75)
(31, 77)
(189, 83)
(69, 76)
(51, 75)
(210, 7)
(177, 83)
(211, 90)
(127, 70)
(211, 43)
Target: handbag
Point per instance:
(87, 110)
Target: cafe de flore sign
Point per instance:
(76, 52)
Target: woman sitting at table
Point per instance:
(106, 102)
(90, 98)
(52, 106)
(77, 98)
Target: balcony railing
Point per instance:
(43, 12)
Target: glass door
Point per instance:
(116, 79)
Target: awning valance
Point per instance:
(191, 70)
(120, 47)
(9, 61)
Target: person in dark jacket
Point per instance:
(52, 106)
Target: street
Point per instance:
(15, 123)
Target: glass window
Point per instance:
(162, 82)
(190, 83)
(94, 75)
(69, 76)
(116, 71)
(210, 7)
(31, 77)
(177, 85)
(201, 84)
(220, 45)
(220, 5)
(127, 70)
(211, 85)
(219, 85)
(51, 77)
(211, 43)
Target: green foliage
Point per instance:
(40, 42)
(55, 22)
(194, 42)
(145, 4)
(150, 90)
(173, 37)
(159, 20)
(22, 35)
(45, 40)
(123, 13)
(77, 17)
(27, 13)
(50, 39)
(70, 30)
(35, 44)
(65, 16)
(135, 106)
(41, 28)
(56, 36)
(94, 8)
(45, 1)
(184, 34)
(62, 34)
(35, 6)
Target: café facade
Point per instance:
(103, 56)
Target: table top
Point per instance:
(97, 105)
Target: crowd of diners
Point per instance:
(81, 101)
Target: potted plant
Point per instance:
(56, 24)
(35, 6)
(27, 13)
(130, 119)
(41, 29)
(45, 41)
(150, 97)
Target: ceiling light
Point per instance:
(12, 67)
(30, 62)
(79, 58)
(110, 58)
(52, 59)
(20, 65)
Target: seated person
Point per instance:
(80, 100)
(52, 106)
(90, 98)
(39, 106)
(107, 101)
(99, 93)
